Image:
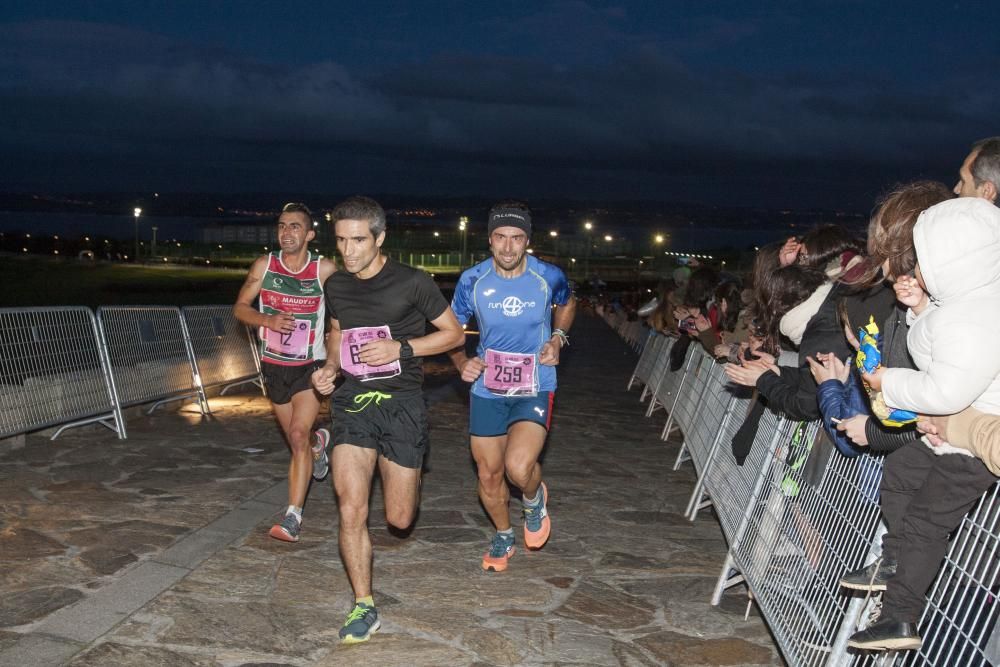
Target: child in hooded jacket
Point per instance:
(954, 316)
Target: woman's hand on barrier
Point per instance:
(854, 428)
(472, 369)
(747, 374)
(322, 379)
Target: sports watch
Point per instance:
(405, 351)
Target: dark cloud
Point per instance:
(608, 108)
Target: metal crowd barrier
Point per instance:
(64, 367)
(798, 515)
(151, 356)
(53, 372)
(223, 347)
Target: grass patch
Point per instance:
(34, 281)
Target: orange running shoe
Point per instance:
(536, 522)
(287, 530)
(501, 549)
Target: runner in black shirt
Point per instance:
(379, 310)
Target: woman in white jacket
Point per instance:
(926, 490)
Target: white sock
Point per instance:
(537, 500)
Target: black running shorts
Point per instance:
(393, 424)
(283, 382)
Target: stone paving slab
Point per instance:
(154, 551)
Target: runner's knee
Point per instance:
(400, 517)
(298, 437)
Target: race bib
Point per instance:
(351, 341)
(293, 344)
(510, 373)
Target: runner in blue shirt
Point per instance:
(511, 295)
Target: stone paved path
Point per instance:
(154, 551)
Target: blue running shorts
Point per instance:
(492, 417)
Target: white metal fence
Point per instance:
(797, 515)
(65, 367)
(220, 345)
(52, 371)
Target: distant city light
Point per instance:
(553, 233)
(608, 237)
(588, 226)
(137, 211)
(437, 233)
(659, 238)
(531, 251)
(573, 260)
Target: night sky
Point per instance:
(780, 104)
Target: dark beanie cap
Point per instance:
(510, 217)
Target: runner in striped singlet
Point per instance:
(291, 321)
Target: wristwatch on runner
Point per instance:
(405, 351)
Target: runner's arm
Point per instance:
(562, 320)
(469, 368)
(322, 378)
(449, 335)
(564, 316)
(244, 311)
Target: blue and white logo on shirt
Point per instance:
(511, 305)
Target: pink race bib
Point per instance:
(351, 341)
(510, 373)
(291, 345)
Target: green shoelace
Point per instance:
(368, 398)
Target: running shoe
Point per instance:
(321, 460)
(287, 530)
(501, 549)
(360, 625)
(536, 522)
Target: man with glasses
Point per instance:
(291, 318)
(512, 295)
(379, 311)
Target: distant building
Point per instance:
(251, 232)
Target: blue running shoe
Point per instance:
(360, 625)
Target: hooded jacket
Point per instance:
(953, 341)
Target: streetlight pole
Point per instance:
(555, 243)
(152, 249)
(463, 224)
(137, 212)
(586, 260)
